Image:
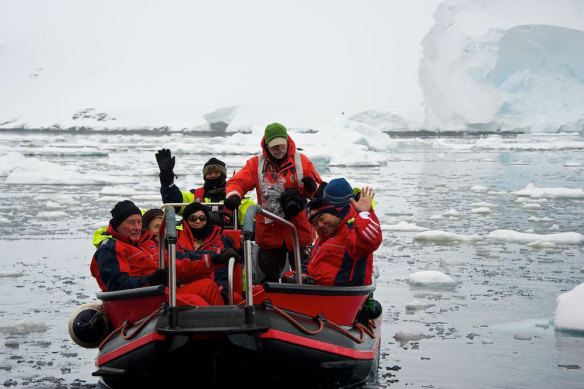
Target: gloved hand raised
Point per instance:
(309, 184)
(165, 160)
(223, 258)
(158, 277)
(232, 202)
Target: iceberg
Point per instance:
(494, 65)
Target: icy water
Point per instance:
(493, 329)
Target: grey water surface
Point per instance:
(493, 329)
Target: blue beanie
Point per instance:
(338, 192)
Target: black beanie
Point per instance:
(121, 211)
(319, 206)
(194, 207)
(214, 164)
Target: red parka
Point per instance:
(346, 257)
(197, 261)
(271, 175)
(119, 263)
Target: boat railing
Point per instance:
(169, 227)
(248, 234)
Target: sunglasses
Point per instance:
(201, 218)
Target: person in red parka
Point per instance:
(202, 247)
(128, 258)
(343, 253)
(283, 179)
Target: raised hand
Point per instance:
(365, 199)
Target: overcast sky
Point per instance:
(309, 59)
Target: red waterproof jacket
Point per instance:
(196, 262)
(270, 180)
(119, 263)
(346, 257)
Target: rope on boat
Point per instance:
(125, 326)
(298, 325)
(362, 329)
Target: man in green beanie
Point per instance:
(283, 179)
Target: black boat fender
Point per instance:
(88, 326)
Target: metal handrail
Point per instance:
(248, 228)
(171, 224)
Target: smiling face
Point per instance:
(131, 227)
(197, 220)
(325, 224)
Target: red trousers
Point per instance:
(201, 292)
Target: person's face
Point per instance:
(154, 225)
(197, 220)
(278, 151)
(131, 227)
(325, 224)
(212, 174)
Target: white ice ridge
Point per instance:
(495, 64)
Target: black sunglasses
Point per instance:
(194, 218)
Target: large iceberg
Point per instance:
(497, 65)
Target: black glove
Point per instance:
(320, 191)
(309, 184)
(223, 258)
(292, 202)
(306, 280)
(232, 202)
(159, 277)
(165, 160)
(166, 178)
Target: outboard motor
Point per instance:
(88, 326)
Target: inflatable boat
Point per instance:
(281, 335)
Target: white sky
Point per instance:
(297, 59)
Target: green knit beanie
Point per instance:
(275, 130)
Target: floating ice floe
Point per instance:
(4, 221)
(479, 189)
(514, 236)
(417, 306)
(442, 236)
(404, 336)
(536, 219)
(481, 204)
(402, 226)
(24, 327)
(22, 170)
(51, 215)
(531, 206)
(569, 315)
(482, 210)
(572, 164)
(539, 244)
(431, 278)
(564, 193)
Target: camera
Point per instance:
(292, 202)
